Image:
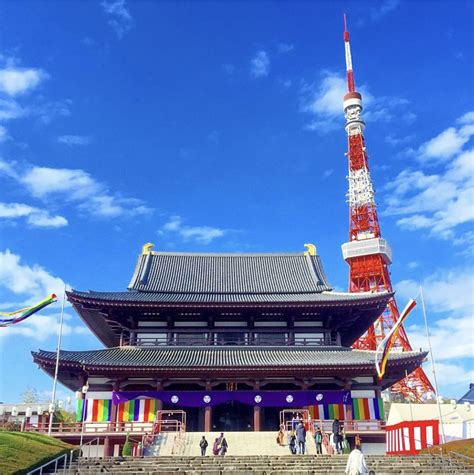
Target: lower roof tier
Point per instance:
(224, 361)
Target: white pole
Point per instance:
(409, 398)
(432, 365)
(55, 381)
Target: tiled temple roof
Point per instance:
(188, 273)
(220, 357)
(158, 297)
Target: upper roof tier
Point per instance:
(180, 273)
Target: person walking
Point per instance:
(356, 464)
(203, 445)
(215, 446)
(318, 439)
(338, 439)
(292, 443)
(294, 421)
(301, 438)
(222, 444)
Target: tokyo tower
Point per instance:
(367, 253)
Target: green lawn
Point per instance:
(22, 451)
(464, 447)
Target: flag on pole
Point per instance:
(24, 313)
(383, 350)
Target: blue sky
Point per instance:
(206, 126)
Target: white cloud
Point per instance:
(10, 109)
(260, 64)
(285, 47)
(438, 202)
(449, 291)
(200, 234)
(76, 186)
(35, 216)
(74, 139)
(32, 283)
(120, 18)
(3, 134)
(40, 327)
(383, 7)
(451, 338)
(324, 101)
(17, 81)
(447, 144)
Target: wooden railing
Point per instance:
(230, 341)
(92, 427)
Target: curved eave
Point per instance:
(396, 367)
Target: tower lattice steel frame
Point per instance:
(367, 253)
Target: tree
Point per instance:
(30, 396)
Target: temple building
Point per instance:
(231, 339)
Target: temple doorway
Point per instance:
(232, 416)
(270, 418)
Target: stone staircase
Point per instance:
(265, 465)
(242, 443)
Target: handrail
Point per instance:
(39, 470)
(224, 341)
(463, 456)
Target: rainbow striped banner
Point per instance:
(327, 411)
(93, 410)
(367, 408)
(137, 410)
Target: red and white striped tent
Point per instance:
(409, 437)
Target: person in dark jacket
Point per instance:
(301, 438)
(335, 427)
(292, 443)
(222, 444)
(203, 445)
(338, 440)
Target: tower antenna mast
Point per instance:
(366, 252)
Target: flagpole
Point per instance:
(432, 364)
(55, 381)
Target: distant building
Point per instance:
(469, 396)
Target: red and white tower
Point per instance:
(367, 253)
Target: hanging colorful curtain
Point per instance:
(367, 408)
(137, 410)
(24, 313)
(93, 410)
(327, 411)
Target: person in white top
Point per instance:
(356, 463)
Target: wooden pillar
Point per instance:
(159, 402)
(257, 412)
(108, 447)
(256, 418)
(208, 419)
(114, 409)
(208, 412)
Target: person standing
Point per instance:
(356, 464)
(318, 439)
(215, 446)
(338, 440)
(292, 443)
(222, 444)
(301, 438)
(203, 445)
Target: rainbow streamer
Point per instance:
(26, 312)
(387, 343)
